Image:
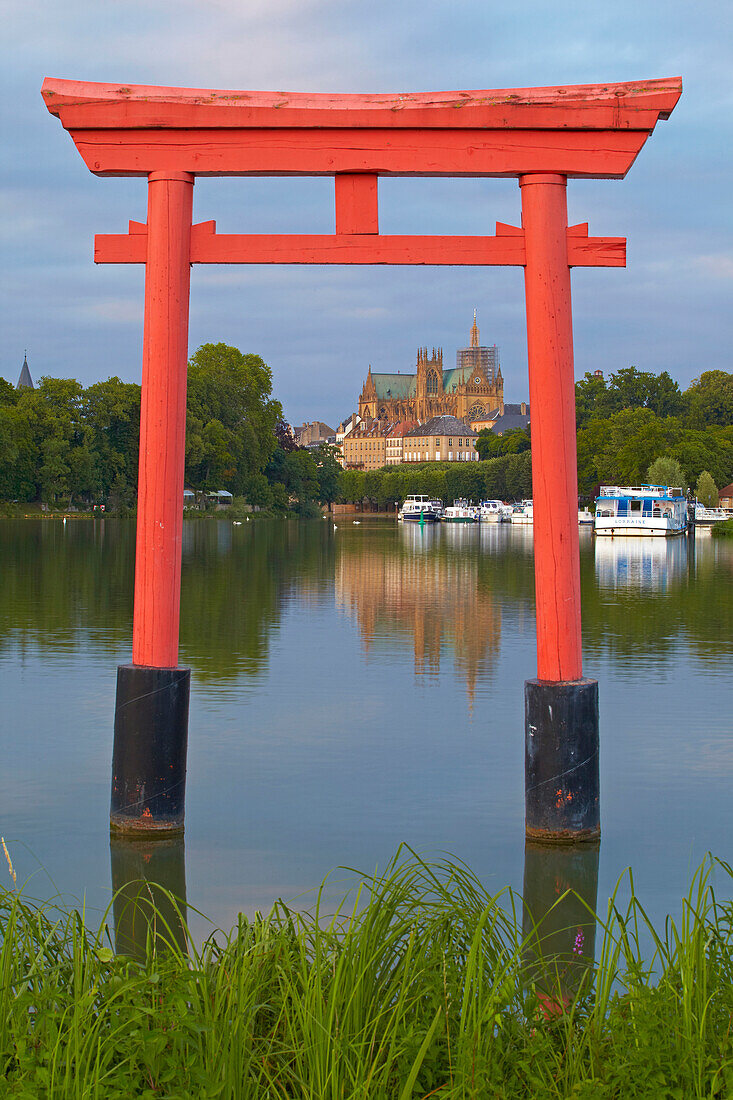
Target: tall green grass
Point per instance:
(422, 985)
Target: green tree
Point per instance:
(231, 418)
(111, 411)
(706, 490)
(709, 399)
(667, 471)
(329, 471)
(8, 393)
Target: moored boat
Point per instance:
(460, 511)
(651, 510)
(523, 513)
(437, 508)
(707, 517)
(417, 508)
(494, 511)
(585, 516)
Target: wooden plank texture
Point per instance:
(507, 250)
(292, 152)
(630, 105)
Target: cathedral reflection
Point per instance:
(421, 592)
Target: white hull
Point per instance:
(658, 527)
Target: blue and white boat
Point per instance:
(652, 510)
(417, 509)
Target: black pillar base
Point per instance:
(561, 761)
(149, 756)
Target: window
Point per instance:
(432, 381)
(437, 442)
(460, 442)
(450, 442)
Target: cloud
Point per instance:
(718, 266)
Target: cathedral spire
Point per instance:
(25, 381)
(474, 332)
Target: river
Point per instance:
(356, 687)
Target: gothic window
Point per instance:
(383, 411)
(432, 381)
(476, 412)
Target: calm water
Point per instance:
(355, 688)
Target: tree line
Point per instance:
(64, 444)
(633, 428)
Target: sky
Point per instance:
(319, 328)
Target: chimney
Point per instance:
(524, 408)
(501, 409)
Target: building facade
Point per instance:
(314, 431)
(394, 441)
(366, 447)
(471, 390)
(440, 439)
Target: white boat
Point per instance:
(437, 508)
(494, 511)
(460, 511)
(585, 516)
(523, 513)
(706, 517)
(651, 510)
(417, 509)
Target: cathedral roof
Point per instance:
(394, 385)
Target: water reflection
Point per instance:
(434, 600)
(149, 888)
(560, 894)
(635, 562)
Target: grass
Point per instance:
(422, 985)
(723, 530)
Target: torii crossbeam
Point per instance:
(542, 137)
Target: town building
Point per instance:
(312, 432)
(366, 447)
(440, 439)
(504, 419)
(346, 427)
(470, 390)
(725, 496)
(394, 441)
(25, 382)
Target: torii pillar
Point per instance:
(542, 137)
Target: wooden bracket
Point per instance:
(353, 243)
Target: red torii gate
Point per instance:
(541, 136)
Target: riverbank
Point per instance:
(423, 985)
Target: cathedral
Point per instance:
(471, 390)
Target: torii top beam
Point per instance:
(576, 130)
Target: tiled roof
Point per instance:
(443, 425)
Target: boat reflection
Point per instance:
(560, 894)
(641, 563)
(149, 888)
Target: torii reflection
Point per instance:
(560, 935)
(149, 888)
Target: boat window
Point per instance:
(635, 505)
